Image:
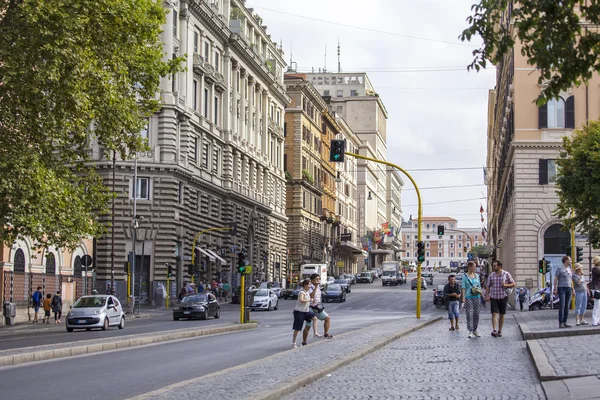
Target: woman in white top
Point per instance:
(301, 311)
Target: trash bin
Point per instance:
(159, 300)
(10, 312)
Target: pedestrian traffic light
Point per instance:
(241, 263)
(337, 150)
(579, 254)
(441, 230)
(420, 252)
(169, 270)
(569, 251)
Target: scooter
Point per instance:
(438, 298)
(540, 299)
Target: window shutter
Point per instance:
(570, 113)
(543, 117)
(543, 171)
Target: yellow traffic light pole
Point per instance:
(242, 298)
(419, 214)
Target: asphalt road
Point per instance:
(124, 373)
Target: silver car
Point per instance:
(97, 311)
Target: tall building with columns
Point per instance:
(216, 156)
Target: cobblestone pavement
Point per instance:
(246, 380)
(433, 363)
(569, 356)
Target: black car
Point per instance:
(290, 293)
(201, 305)
(345, 284)
(333, 292)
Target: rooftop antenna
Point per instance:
(292, 67)
(339, 64)
(325, 66)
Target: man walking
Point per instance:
(316, 305)
(36, 299)
(497, 283)
(562, 285)
(452, 296)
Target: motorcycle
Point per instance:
(438, 298)
(541, 299)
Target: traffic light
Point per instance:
(169, 270)
(190, 269)
(241, 263)
(337, 150)
(420, 252)
(579, 254)
(542, 266)
(441, 230)
(465, 249)
(569, 251)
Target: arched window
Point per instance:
(77, 266)
(556, 240)
(50, 264)
(19, 265)
(557, 113)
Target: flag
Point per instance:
(481, 210)
(482, 218)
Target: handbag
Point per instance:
(596, 294)
(475, 290)
(507, 290)
(318, 308)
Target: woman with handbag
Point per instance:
(580, 295)
(595, 291)
(471, 297)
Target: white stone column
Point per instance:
(184, 18)
(235, 113)
(167, 36)
(226, 100)
(243, 89)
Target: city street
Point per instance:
(165, 364)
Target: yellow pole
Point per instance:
(168, 284)
(242, 298)
(128, 279)
(573, 258)
(419, 220)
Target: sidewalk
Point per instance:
(566, 359)
(436, 364)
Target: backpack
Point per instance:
(36, 296)
(54, 301)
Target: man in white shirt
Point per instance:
(317, 307)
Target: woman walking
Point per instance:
(595, 290)
(57, 307)
(580, 295)
(471, 297)
(301, 311)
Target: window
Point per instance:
(216, 111)
(557, 113)
(427, 254)
(476, 237)
(427, 226)
(339, 93)
(451, 254)
(216, 159)
(459, 255)
(451, 245)
(142, 189)
(196, 41)
(427, 237)
(427, 245)
(194, 152)
(144, 133)
(353, 93)
(547, 173)
(451, 237)
(416, 237)
(217, 62)
(19, 262)
(180, 193)
(205, 103)
(205, 148)
(195, 95)
(206, 51)
(460, 237)
(175, 22)
(440, 244)
(325, 92)
(285, 129)
(50, 264)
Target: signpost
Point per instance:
(86, 261)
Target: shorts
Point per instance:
(46, 313)
(321, 316)
(36, 307)
(498, 306)
(299, 318)
(453, 309)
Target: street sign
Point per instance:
(248, 269)
(470, 256)
(87, 260)
(346, 237)
(340, 263)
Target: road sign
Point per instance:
(346, 237)
(248, 269)
(87, 260)
(470, 256)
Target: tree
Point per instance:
(578, 182)
(551, 33)
(71, 71)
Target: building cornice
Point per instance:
(536, 143)
(211, 20)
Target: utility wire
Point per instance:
(446, 202)
(363, 28)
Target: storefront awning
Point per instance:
(207, 254)
(381, 251)
(351, 246)
(215, 255)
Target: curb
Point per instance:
(49, 352)
(291, 386)
(542, 365)
(529, 335)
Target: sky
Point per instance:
(436, 128)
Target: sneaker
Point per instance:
(317, 335)
(567, 325)
(494, 333)
(471, 335)
(304, 344)
(584, 322)
(499, 333)
(294, 345)
(577, 323)
(562, 326)
(476, 334)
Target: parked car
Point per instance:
(264, 299)
(413, 284)
(97, 311)
(428, 276)
(445, 270)
(330, 279)
(201, 305)
(291, 293)
(333, 292)
(365, 277)
(350, 277)
(275, 286)
(345, 284)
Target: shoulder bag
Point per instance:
(475, 290)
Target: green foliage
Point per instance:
(288, 176)
(307, 176)
(66, 66)
(578, 182)
(552, 37)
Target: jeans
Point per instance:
(596, 312)
(564, 296)
(453, 309)
(580, 302)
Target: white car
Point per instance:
(96, 311)
(264, 299)
(330, 280)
